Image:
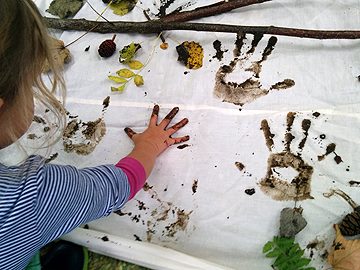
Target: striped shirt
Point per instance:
(40, 202)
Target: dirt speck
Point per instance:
(219, 52)
(239, 165)
(194, 186)
(316, 114)
(182, 146)
(51, 157)
(137, 238)
(105, 238)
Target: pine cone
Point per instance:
(107, 47)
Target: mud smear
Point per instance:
(239, 165)
(300, 186)
(219, 52)
(240, 93)
(267, 133)
(163, 221)
(83, 137)
(165, 4)
(305, 125)
(354, 183)
(330, 149)
(194, 186)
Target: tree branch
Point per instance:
(211, 10)
(159, 26)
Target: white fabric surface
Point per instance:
(226, 227)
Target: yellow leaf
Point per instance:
(191, 54)
(126, 73)
(135, 64)
(117, 79)
(120, 89)
(122, 7)
(138, 80)
(345, 254)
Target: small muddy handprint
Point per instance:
(272, 184)
(251, 88)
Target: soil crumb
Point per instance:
(105, 238)
(194, 186)
(182, 146)
(316, 114)
(250, 191)
(354, 183)
(39, 119)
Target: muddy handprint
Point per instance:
(272, 184)
(251, 88)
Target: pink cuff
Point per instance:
(135, 173)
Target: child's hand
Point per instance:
(156, 138)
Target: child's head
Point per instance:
(24, 46)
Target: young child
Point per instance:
(40, 202)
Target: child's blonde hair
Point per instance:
(24, 47)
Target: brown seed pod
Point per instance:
(350, 225)
(107, 47)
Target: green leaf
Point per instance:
(117, 79)
(138, 80)
(302, 262)
(274, 253)
(120, 89)
(267, 247)
(65, 8)
(122, 7)
(126, 73)
(135, 64)
(128, 52)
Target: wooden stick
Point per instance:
(159, 26)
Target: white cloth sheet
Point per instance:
(226, 226)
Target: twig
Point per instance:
(211, 10)
(100, 15)
(159, 26)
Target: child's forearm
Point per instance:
(146, 157)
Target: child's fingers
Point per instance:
(164, 123)
(154, 116)
(177, 126)
(181, 139)
(129, 132)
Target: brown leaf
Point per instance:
(61, 55)
(345, 254)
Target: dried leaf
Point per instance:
(138, 80)
(128, 52)
(345, 254)
(117, 79)
(126, 73)
(191, 54)
(65, 8)
(61, 55)
(135, 64)
(122, 7)
(120, 89)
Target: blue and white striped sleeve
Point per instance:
(69, 197)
